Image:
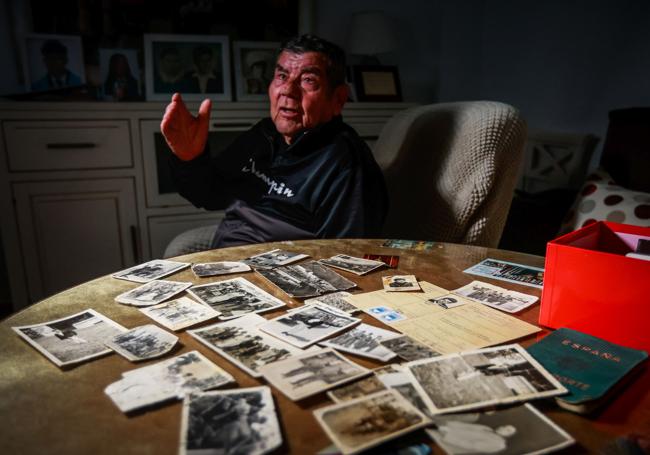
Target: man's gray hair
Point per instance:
(334, 54)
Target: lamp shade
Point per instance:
(371, 33)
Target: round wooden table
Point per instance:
(48, 410)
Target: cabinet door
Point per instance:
(72, 231)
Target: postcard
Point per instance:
(235, 297)
(352, 264)
(335, 300)
(418, 245)
(385, 314)
(308, 325)
(230, 421)
(361, 388)
(152, 270)
(508, 271)
(447, 301)
(496, 297)
(142, 343)
(72, 339)
(273, 258)
(390, 260)
(397, 283)
(180, 313)
(307, 374)
(484, 377)
(408, 349)
(152, 293)
(219, 268)
(364, 340)
(368, 421)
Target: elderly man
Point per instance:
(300, 174)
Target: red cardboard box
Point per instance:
(590, 286)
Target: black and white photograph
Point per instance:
(368, 421)
(352, 264)
(408, 349)
(361, 388)
(120, 73)
(518, 430)
(447, 301)
(196, 66)
(152, 293)
(166, 380)
(180, 313)
(307, 279)
(149, 271)
(508, 271)
(496, 297)
(308, 325)
(474, 379)
(254, 68)
(72, 339)
(240, 421)
(235, 297)
(241, 342)
(219, 268)
(143, 343)
(400, 283)
(403, 383)
(335, 300)
(310, 373)
(53, 62)
(364, 340)
(273, 258)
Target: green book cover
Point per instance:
(587, 366)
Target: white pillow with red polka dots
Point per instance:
(600, 199)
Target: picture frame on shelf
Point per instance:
(52, 62)
(120, 74)
(254, 68)
(377, 83)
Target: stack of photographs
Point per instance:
(180, 313)
(228, 422)
(335, 300)
(72, 339)
(308, 279)
(143, 343)
(152, 293)
(219, 268)
(152, 270)
(408, 349)
(365, 386)
(403, 382)
(273, 258)
(364, 340)
(166, 380)
(235, 297)
(352, 264)
(496, 297)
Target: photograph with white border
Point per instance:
(152, 293)
(364, 340)
(142, 343)
(496, 297)
(52, 62)
(400, 283)
(273, 258)
(361, 388)
(254, 68)
(403, 383)
(408, 349)
(508, 271)
(206, 269)
(335, 300)
(180, 313)
(352, 264)
(149, 271)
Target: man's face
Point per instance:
(300, 94)
(55, 63)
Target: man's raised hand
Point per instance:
(185, 134)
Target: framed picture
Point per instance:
(53, 62)
(254, 68)
(197, 66)
(377, 83)
(120, 74)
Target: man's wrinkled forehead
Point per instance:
(306, 62)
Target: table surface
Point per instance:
(44, 408)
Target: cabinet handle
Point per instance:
(135, 243)
(71, 145)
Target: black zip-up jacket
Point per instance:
(325, 184)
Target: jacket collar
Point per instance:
(305, 137)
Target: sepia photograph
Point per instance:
(335, 300)
(447, 301)
(310, 373)
(72, 339)
(180, 313)
(356, 389)
(142, 343)
(308, 325)
(235, 297)
(219, 268)
(400, 283)
(518, 430)
(496, 297)
(352, 264)
(241, 342)
(403, 383)
(366, 422)
(408, 349)
(152, 270)
(53, 62)
(474, 379)
(240, 421)
(508, 271)
(254, 68)
(364, 340)
(152, 293)
(273, 258)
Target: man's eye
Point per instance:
(281, 76)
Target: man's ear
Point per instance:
(340, 97)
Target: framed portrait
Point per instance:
(377, 83)
(197, 66)
(120, 74)
(53, 62)
(254, 68)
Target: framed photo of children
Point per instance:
(254, 68)
(196, 66)
(53, 62)
(120, 74)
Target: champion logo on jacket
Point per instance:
(279, 189)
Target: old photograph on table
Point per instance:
(352, 264)
(335, 300)
(273, 258)
(152, 270)
(307, 279)
(142, 343)
(364, 340)
(518, 430)
(308, 325)
(403, 383)
(72, 339)
(219, 268)
(508, 271)
(152, 293)
(366, 422)
(400, 283)
(180, 313)
(241, 421)
(496, 297)
(235, 297)
(408, 349)
(314, 372)
(483, 377)
(241, 342)
(361, 388)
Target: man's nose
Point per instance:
(290, 88)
